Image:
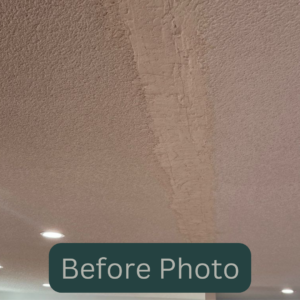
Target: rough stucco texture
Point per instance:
(168, 50)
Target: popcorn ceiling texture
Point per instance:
(167, 46)
(253, 80)
(150, 121)
(76, 151)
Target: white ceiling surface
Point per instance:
(75, 145)
(248, 54)
(254, 71)
(78, 144)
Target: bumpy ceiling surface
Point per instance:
(76, 148)
(150, 121)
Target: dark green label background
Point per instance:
(151, 254)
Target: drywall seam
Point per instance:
(165, 38)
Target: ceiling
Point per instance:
(150, 121)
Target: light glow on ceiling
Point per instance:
(52, 235)
(287, 291)
(1, 267)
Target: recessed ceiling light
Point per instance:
(52, 235)
(46, 285)
(287, 291)
(1, 267)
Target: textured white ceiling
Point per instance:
(150, 121)
(253, 78)
(75, 145)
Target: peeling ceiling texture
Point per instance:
(150, 121)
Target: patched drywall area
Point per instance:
(167, 44)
